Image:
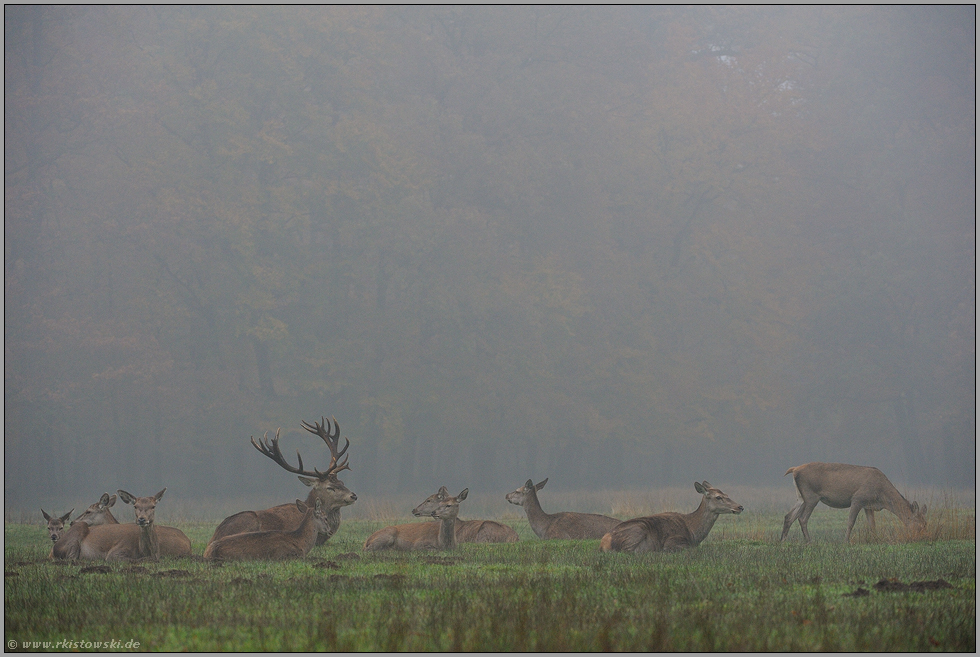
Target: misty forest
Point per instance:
(618, 247)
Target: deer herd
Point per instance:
(290, 531)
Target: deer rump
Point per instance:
(664, 532)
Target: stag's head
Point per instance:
(327, 487)
(717, 502)
(56, 525)
(441, 505)
(98, 513)
(145, 506)
(526, 492)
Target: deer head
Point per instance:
(327, 487)
(145, 506)
(56, 525)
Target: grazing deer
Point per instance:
(326, 487)
(98, 513)
(140, 540)
(484, 531)
(671, 531)
(567, 524)
(423, 535)
(273, 544)
(842, 486)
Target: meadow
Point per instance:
(741, 590)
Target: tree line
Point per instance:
(607, 245)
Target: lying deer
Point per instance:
(484, 531)
(843, 486)
(423, 535)
(272, 544)
(567, 524)
(141, 540)
(98, 513)
(56, 525)
(671, 531)
(326, 487)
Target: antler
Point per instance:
(271, 449)
(332, 439)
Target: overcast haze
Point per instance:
(623, 247)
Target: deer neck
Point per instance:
(149, 542)
(447, 533)
(536, 517)
(306, 532)
(700, 521)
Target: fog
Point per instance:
(623, 248)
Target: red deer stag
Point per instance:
(98, 513)
(567, 524)
(671, 531)
(843, 486)
(326, 487)
(439, 535)
(274, 544)
(140, 540)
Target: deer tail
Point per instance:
(793, 469)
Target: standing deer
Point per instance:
(326, 487)
(671, 531)
(99, 513)
(423, 535)
(567, 524)
(273, 544)
(140, 540)
(842, 486)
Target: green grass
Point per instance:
(740, 590)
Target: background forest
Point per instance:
(613, 246)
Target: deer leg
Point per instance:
(851, 518)
(791, 517)
(869, 513)
(808, 508)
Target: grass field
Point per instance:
(740, 590)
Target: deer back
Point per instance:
(571, 525)
(270, 544)
(484, 531)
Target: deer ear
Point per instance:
(529, 484)
(308, 481)
(104, 499)
(46, 516)
(541, 485)
(159, 495)
(112, 500)
(443, 491)
(65, 517)
(923, 511)
(126, 497)
(463, 494)
(699, 488)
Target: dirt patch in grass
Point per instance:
(172, 573)
(894, 584)
(95, 570)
